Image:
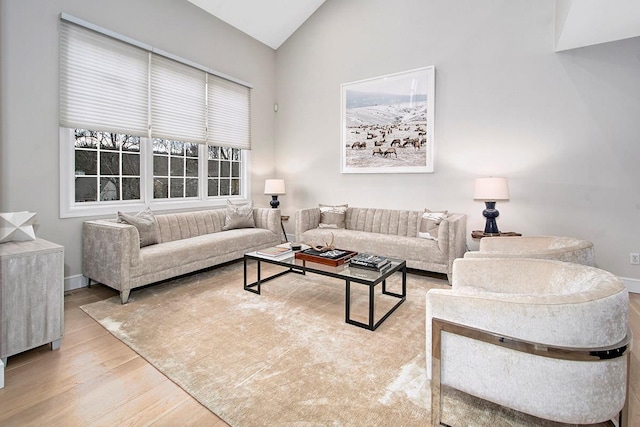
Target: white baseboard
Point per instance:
(633, 285)
(75, 282)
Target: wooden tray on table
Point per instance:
(326, 258)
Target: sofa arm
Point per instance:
(306, 219)
(109, 249)
(269, 219)
(453, 231)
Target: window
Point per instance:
(175, 169)
(224, 168)
(107, 166)
(157, 148)
(109, 173)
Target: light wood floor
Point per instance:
(96, 380)
(93, 380)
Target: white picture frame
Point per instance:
(393, 115)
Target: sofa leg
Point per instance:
(124, 296)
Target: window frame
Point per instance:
(69, 208)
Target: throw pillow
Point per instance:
(430, 222)
(146, 224)
(238, 216)
(332, 216)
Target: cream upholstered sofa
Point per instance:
(540, 316)
(567, 249)
(392, 233)
(187, 242)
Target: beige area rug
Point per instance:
(287, 357)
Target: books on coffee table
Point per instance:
(368, 273)
(274, 251)
(368, 261)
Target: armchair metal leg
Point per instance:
(576, 354)
(623, 418)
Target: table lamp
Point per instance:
(490, 190)
(274, 187)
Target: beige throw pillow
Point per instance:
(430, 223)
(238, 216)
(146, 224)
(332, 216)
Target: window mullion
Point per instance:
(203, 178)
(146, 163)
(120, 172)
(98, 170)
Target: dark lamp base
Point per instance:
(491, 213)
(274, 201)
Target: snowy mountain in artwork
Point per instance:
(380, 109)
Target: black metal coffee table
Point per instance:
(350, 275)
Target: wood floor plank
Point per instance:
(190, 413)
(79, 336)
(108, 394)
(80, 402)
(62, 376)
(145, 408)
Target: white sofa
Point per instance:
(392, 233)
(528, 308)
(187, 242)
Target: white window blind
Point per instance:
(178, 101)
(103, 82)
(229, 117)
(112, 83)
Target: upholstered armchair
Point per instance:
(567, 249)
(543, 337)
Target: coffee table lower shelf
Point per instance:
(301, 267)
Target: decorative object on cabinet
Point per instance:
(17, 226)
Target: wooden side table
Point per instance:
(32, 302)
(479, 234)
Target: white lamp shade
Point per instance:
(491, 189)
(274, 186)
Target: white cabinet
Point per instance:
(31, 296)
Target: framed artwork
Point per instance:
(387, 123)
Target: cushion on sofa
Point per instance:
(146, 224)
(332, 216)
(238, 216)
(430, 223)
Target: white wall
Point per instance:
(29, 171)
(563, 127)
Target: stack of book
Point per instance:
(274, 251)
(370, 262)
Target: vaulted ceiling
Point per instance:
(579, 23)
(269, 21)
(582, 23)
